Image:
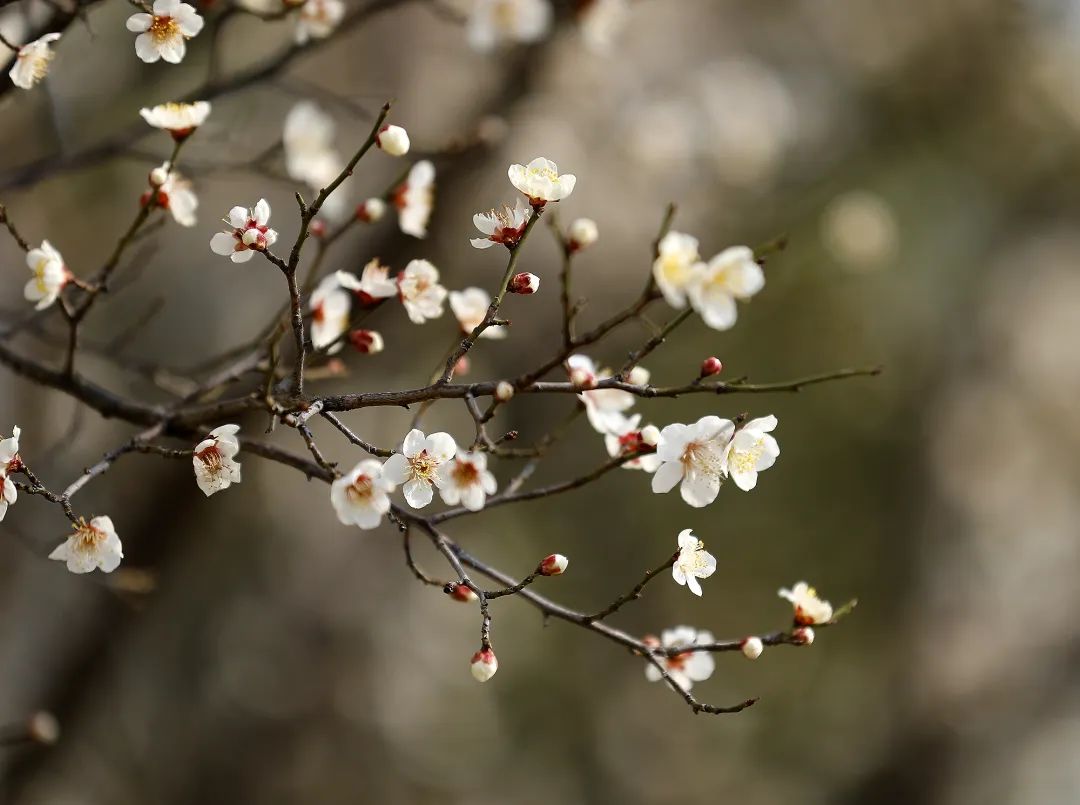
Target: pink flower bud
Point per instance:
(317, 228)
(483, 665)
(366, 342)
(804, 635)
(752, 648)
(371, 210)
(394, 140)
(524, 284)
(554, 565)
(504, 391)
(460, 592)
(711, 366)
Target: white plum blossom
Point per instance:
(731, 275)
(504, 226)
(677, 267)
(394, 140)
(688, 667)
(601, 21)
(582, 371)
(541, 182)
(32, 61)
(50, 275)
(164, 34)
(318, 19)
(8, 494)
(693, 456)
(374, 283)
(496, 22)
(414, 199)
(625, 438)
(420, 291)
(9, 462)
(362, 496)
(751, 451)
(250, 232)
(176, 196)
(603, 407)
(330, 305)
(693, 562)
(216, 467)
(809, 609)
(93, 545)
(483, 664)
(470, 306)
(418, 465)
(465, 479)
(179, 119)
(308, 144)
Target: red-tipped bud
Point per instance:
(711, 366)
(371, 210)
(504, 392)
(804, 635)
(582, 378)
(752, 648)
(460, 592)
(554, 565)
(317, 228)
(394, 140)
(524, 284)
(483, 665)
(366, 342)
(582, 234)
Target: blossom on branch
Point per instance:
(9, 463)
(249, 233)
(362, 496)
(216, 467)
(32, 61)
(694, 457)
(483, 665)
(751, 451)
(603, 407)
(524, 284)
(731, 275)
(496, 22)
(676, 267)
(417, 466)
(625, 439)
(394, 140)
(554, 565)
(50, 275)
(164, 34)
(179, 119)
(93, 545)
(420, 291)
(504, 226)
(465, 479)
(693, 563)
(582, 234)
(330, 305)
(174, 194)
(541, 182)
(374, 284)
(809, 609)
(688, 667)
(470, 307)
(414, 199)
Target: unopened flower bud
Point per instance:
(394, 140)
(504, 391)
(158, 177)
(583, 234)
(462, 365)
(460, 592)
(371, 210)
(524, 284)
(752, 648)
(484, 665)
(804, 635)
(650, 435)
(317, 228)
(639, 376)
(582, 378)
(711, 366)
(554, 565)
(43, 728)
(366, 342)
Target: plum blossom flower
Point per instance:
(249, 232)
(394, 140)
(603, 407)
(216, 467)
(688, 667)
(625, 438)
(32, 61)
(541, 182)
(374, 283)
(93, 545)
(9, 462)
(676, 267)
(751, 451)
(504, 226)
(601, 21)
(470, 306)
(318, 19)
(330, 305)
(731, 275)
(164, 34)
(465, 479)
(418, 465)
(420, 291)
(693, 563)
(179, 119)
(362, 496)
(582, 371)
(308, 143)
(50, 275)
(693, 455)
(496, 22)
(414, 199)
(809, 609)
(175, 195)
(483, 664)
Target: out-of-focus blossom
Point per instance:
(582, 234)
(493, 23)
(164, 34)
(414, 199)
(32, 61)
(362, 496)
(175, 195)
(601, 22)
(732, 274)
(688, 667)
(9, 462)
(318, 19)
(694, 457)
(250, 232)
(417, 466)
(50, 275)
(693, 563)
(371, 210)
(465, 479)
(753, 450)
(809, 609)
(310, 155)
(374, 283)
(366, 342)
(330, 305)
(625, 438)
(676, 267)
(93, 545)
(860, 230)
(470, 306)
(420, 291)
(504, 226)
(214, 460)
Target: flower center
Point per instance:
(423, 466)
(693, 561)
(465, 473)
(88, 538)
(211, 459)
(163, 29)
(746, 460)
(360, 489)
(701, 457)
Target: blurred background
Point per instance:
(922, 156)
